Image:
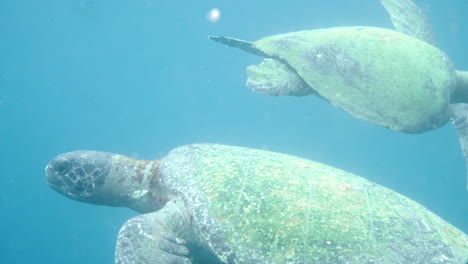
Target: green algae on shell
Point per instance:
(277, 208)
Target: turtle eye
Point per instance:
(62, 167)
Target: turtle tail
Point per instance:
(459, 118)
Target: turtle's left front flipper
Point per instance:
(155, 237)
(459, 119)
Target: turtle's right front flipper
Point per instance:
(460, 121)
(240, 44)
(155, 237)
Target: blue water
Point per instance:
(140, 77)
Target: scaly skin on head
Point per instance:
(108, 179)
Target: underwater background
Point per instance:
(141, 77)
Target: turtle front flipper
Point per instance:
(409, 19)
(271, 77)
(155, 237)
(460, 121)
(238, 43)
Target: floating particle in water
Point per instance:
(214, 15)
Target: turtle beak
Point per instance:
(56, 181)
(78, 174)
(51, 178)
(61, 175)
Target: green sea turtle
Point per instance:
(392, 78)
(252, 206)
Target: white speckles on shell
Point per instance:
(177, 176)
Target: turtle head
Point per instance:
(79, 174)
(105, 178)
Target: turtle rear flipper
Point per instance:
(460, 121)
(155, 237)
(409, 19)
(460, 95)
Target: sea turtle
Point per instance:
(395, 79)
(252, 206)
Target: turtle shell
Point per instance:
(268, 207)
(379, 75)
